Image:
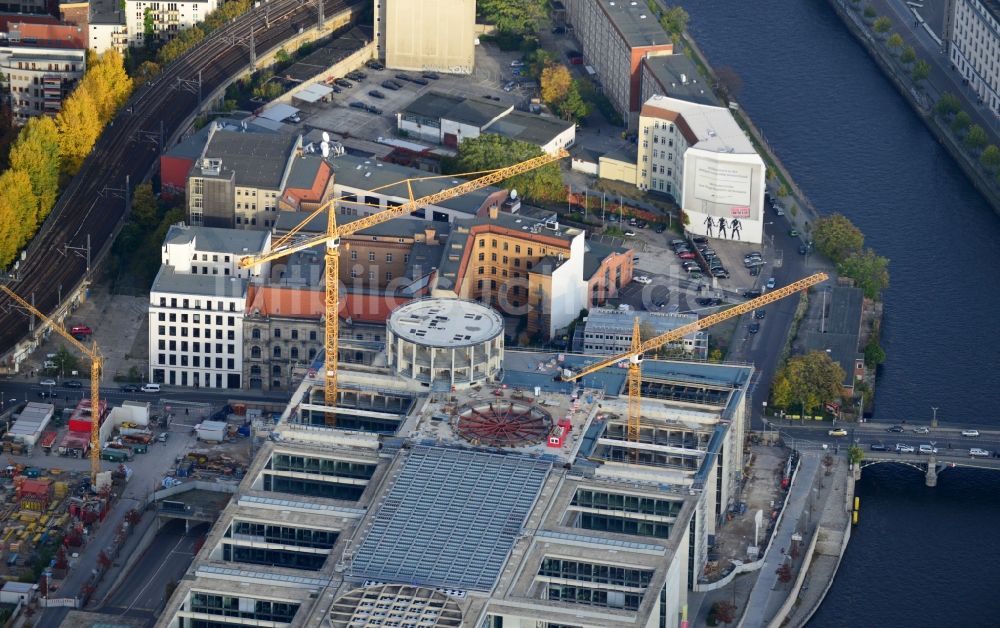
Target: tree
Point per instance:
(723, 612)
(855, 454)
(870, 12)
(489, 151)
(108, 84)
(948, 105)
(573, 106)
(810, 380)
(675, 20)
(65, 361)
(836, 237)
(79, 127)
(961, 122)
(556, 82)
(874, 353)
(36, 153)
(145, 207)
(976, 138)
(882, 25)
(990, 157)
(921, 70)
(895, 42)
(18, 214)
(517, 17)
(146, 71)
(282, 56)
(869, 271)
(537, 60)
(908, 55)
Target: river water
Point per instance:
(920, 557)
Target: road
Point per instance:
(89, 209)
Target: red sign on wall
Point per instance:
(740, 212)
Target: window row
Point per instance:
(185, 303)
(195, 332)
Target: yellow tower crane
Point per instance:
(639, 346)
(96, 363)
(292, 242)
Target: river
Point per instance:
(920, 557)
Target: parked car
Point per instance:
(356, 75)
(904, 449)
(509, 86)
(431, 75)
(685, 254)
(375, 64)
(927, 449)
(373, 109)
(336, 90)
(920, 430)
(517, 63)
(357, 105)
(343, 83)
(753, 254)
(48, 382)
(420, 81)
(389, 85)
(759, 314)
(376, 94)
(754, 328)
(839, 431)
(793, 232)
(720, 273)
(151, 388)
(130, 388)
(660, 228)
(879, 446)
(643, 279)
(629, 233)
(163, 437)
(751, 294)
(971, 433)
(708, 301)
(770, 283)
(755, 271)
(73, 383)
(895, 428)
(976, 452)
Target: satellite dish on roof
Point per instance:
(325, 149)
(513, 194)
(326, 136)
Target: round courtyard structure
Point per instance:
(446, 344)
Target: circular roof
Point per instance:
(445, 322)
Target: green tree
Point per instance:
(573, 106)
(895, 42)
(874, 353)
(921, 70)
(948, 105)
(79, 127)
(990, 157)
(976, 138)
(870, 12)
(539, 59)
(66, 362)
(518, 17)
(489, 151)
(869, 271)
(18, 214)
(836, 237)
(556, 82)
(282, 56)
(145, 207)
(146, 71)
(882, 25)
(675, 20)
(180, 44)
(855, 454)
(811, 380)
(908, 55)
(36, 152)
(148, 25)
(961, 122)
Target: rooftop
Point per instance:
(44, 35)
(844, 316)
(613, 320)
(323, 58)
(450, 518)
(258, 159)
(217, 240)
(636, 23)
(528, 127)
(402, 605)
(706, 127)
(305, 170)
(678, 77)
(435, 105)
(596, 253)
(445, 323)
(172, 282)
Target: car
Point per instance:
(151, 388)
(420, 81)
(629, 233)
(376, 94)
(48, 382)
(375, 64)
(754, 263)
(895, 428)
(73, 383)
(686, 255)
(674, 243)
(720, 273)
(358, 105)
(689, 264)
(976, 452)
(754, 328)
(803, 250)
(904, 449)
(80, 330)
(927, 449)
(343, 83)
(751, 294)
(510, 86)
(373, 109)
(755, 271)
(431, 75)
(707, 252)
(294, 118)
(770, 283)
(356, 75)
(163, 436)
(643, 279)
(879, 446)
(46, 394)
(837, 431)
(403, 77)
(970, 433)
(612, 217)
(700, 240)
(759, 314)
(336, 90)
(660, 229)
(921, 430)
(390, 85)
(572, 54)
(517, 71)
(793, 232)
(517, 63)
(708, 301)
(130, 388)
(751, 254)
(659, 304)
(559, 30)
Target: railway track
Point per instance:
(89, 206)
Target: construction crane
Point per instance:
(292, 243)
(96, 364)
(639, 347)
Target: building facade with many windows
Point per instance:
(197, 305)
(40, 65)
(972, 32)
(163, 20)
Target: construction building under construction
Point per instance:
(521, 500)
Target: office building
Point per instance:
(608, 331)
(40, 65)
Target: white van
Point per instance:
(151, 388)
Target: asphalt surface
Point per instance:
(127, 149)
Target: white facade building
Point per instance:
(701, 156)
(973, 35)
(196, 306)
(609, 331)
(40, 65)
(167, 18)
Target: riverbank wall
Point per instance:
(887, 63)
